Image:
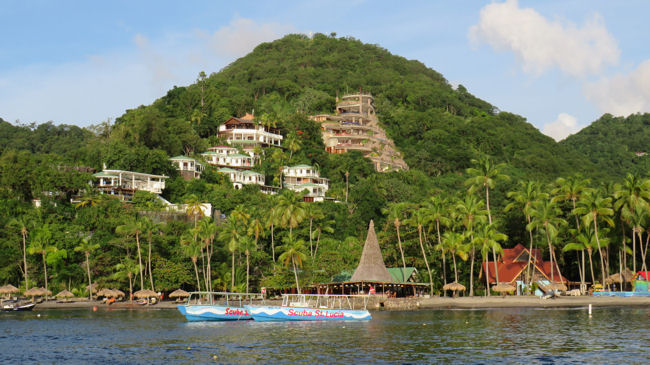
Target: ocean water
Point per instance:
(523, 336)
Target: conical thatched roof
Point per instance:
(454, 287)
(503, 288)
(9, 289)
(65, 294)
(146, 293)
(179, 293)
(371, 266)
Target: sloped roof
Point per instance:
(182, 158)
(643, 275)
(371, 265)
(510, 268)
(396, 273)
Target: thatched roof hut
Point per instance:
(628, 276)
(105, 292)
(65, 294)
(454, 287)
(503, 288)
(179, 293)
(146, 293)
(371, 266)
(116, 293)
(8, 289)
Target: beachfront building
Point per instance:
(355, 127)
(242, 177)
(125, 183)
(513, 264)
(188, 167)
(247, 133)
(304, 177)
(372, 272)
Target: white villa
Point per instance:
(226, 158)
(242, 177)
(188, 167)
(304, 177)
(126, 183)
(247, 133)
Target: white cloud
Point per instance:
(105, 85)
(540, 44)
(562, 127)
(622, 94)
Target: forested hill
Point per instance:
(615, 144)
(438, 128)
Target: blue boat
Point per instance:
(313, 307)
(218, 306)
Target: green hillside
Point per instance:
(615, 144)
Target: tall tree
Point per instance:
(290, 210)
(484, 175)
(87, 247)
(419, 219)
(22, 224)
(396, 213)
(454, 242)
(438, 214)
(294, 253)
(40, 244)
(546, 218)
(471, 212)
(134, 228)
(191, 248)
(487, 238)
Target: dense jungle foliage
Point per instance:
(459, 149)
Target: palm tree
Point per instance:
(545, 217)
(232, 236)
(194, 208)
(484, 175)
(323, 226)
(247, 245)
(40, 244)
(524, 198)
(637, 218)
(126, 269)
(134, 228)
(293, 252)
(437, 213)
(471, 212)
(290, 210)
(86, 246)
(293, 144)
(487, 238)
(632, 193)
(22, 224)
(312, 212)
(454, 242)
(207, 231)
(586, 240)
(192, 249)
(570, 189)
(150, 228)
(271, 220)
(592, 207)
(395, 212)
(419, 219)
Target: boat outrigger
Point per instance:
(218, 306)
(314, 307)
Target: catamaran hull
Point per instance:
(268, 314)
(194, 313)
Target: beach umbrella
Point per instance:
(454, 287)
(146, 293)
(179, 293)
(94, 288)
(104, 292)
(8, 289)
(33, 292)
(65, 294)
(503, 288)
(628, 276)
(117, 293)
(44, 291)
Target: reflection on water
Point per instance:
(512, 335)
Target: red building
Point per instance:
(512, 266)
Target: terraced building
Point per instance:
(355, 127)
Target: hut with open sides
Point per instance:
(371, 272)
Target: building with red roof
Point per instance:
(512, 266)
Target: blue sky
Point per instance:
(560, 64)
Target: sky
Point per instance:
(559, 63)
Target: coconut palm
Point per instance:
(194, 208)
(134, 228)
(592, 207)
(585, 240)
(232, 235)
(191, 248)
(419, 219)
(438, 214)
(545, 216)
(207, 232)
(484, 175)
(270, 221)
(632, 193)
(149, 228)
(126, 269)
(523, 198)
(312, 212)
(470, 212)
(247, 245)
(22, 224)
(487, 239)
(294, 253)
(293, 144)
(455, 244)
(40, 245)
(637, 218)
(87, 247)
(323, 226)
(290, 210)
(396, 212)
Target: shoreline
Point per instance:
(400, 304)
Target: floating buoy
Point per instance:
(189, 348)
(95, 309)
(214, 357)
(589, 310)
(38, 315)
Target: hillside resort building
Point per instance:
(247, 133)
(355, 127)
(304, 177)
(188, 167)
(125, 183)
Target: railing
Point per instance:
(223, 298)
(325, 301)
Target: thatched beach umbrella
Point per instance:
(146, 293)
(117, 293)
(503, 288)
(104, 293)
(454, 287)
(93, 287)
(628, 276)
(65, 294)
(179, 293)
(8, 289)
